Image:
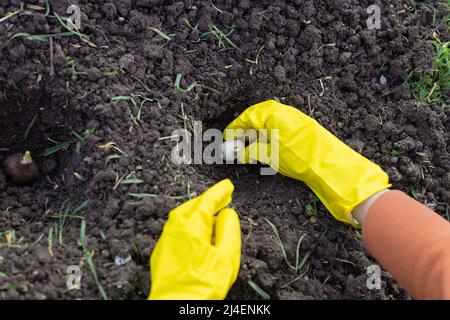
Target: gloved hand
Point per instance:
(340, 177)
(198, 254)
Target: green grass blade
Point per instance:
(29, 127)
(277, 235)
(264, 295)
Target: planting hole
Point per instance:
(37, 122)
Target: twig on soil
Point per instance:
(321, 84)
(398, 34)
(34, 7)
(111, 146)
(251, 224)
(50, 241)
(12, 14)
(191, 27)
(162, 34)
(311, 109)
(326, 280)
(345, 261)
(165, 138)
(186, 120)
(152, 195)
(52, 58)
(97, 28)
(331, 45)
(212, 4)
(142, 83)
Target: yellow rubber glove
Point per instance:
(198, 254)
(340, 177)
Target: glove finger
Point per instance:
(196, 215)
(228, 237)
(213, 199)
(253, 117)
(255, 152)
(216, 198)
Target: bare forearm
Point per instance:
(410, 241)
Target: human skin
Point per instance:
(409, 240)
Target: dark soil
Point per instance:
(304, 41)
